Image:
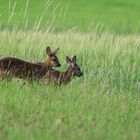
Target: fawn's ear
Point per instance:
(56, 51)
(68, 60)
(48, 51)
(74, 59)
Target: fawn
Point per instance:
(14, 67)
(59, 78)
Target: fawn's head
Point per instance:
(74, 67)
(52, 59)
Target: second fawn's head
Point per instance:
(52, 59)
(74, 67)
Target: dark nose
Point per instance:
(58, 65)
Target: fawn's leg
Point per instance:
(5, 76)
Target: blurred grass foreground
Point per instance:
(115, 16)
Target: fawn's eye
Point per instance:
(54, 59)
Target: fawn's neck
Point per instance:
(68, 74)
(46, 65)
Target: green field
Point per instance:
(104, 104)
(115, 15)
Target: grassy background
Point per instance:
(116, 16)
(103, 104)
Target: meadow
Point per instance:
(103, 104)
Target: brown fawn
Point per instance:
(58, 78)
(14, 67)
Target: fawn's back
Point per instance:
(20, 68)
(10, 66)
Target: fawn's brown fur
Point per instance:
(14, 67)
(58, 78)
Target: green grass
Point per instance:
(117, 16)
(103, 104)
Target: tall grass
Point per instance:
(108, 59)
(103, 104)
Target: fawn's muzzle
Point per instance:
(58, 65)
(81, 74)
